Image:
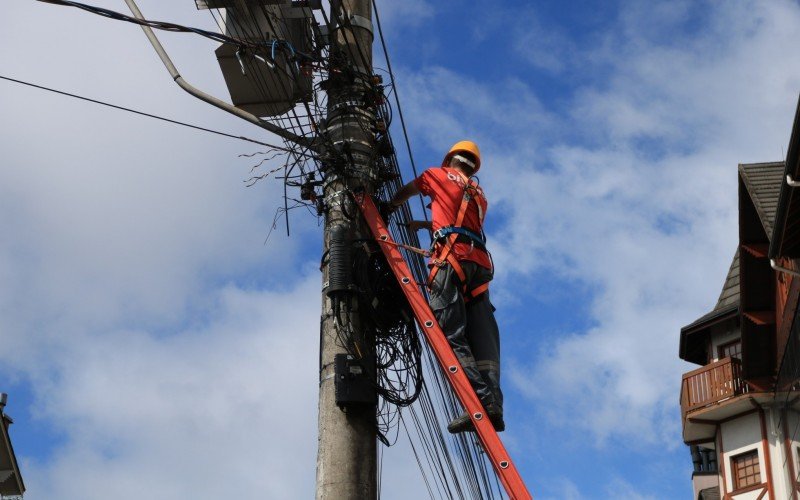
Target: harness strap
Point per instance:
(450, 235)
(475, 238)
(451, 259)
(444, 253)
(421, 251)
(462, 276)
(478, 290)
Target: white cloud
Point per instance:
(543, 45)
(560, 488)
(563, 488)
(445, 106)
(394, 15)
(225, 410)
(113, 218)
(619, 488)
(641, 207)
(653, 279)
(172, 352)
(135, 274)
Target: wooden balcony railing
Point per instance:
(712, 383)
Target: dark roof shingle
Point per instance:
(763, 183)
(728, 298)
(730, 290)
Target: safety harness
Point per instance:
(446, 237)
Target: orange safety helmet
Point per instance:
(464, 147)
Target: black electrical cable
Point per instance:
(161, 25)
(416, 457)
(439, 450)
(394, 88)
(149, 115)
(261, 88)
(300, 124)
(249, 63)
(432, 453)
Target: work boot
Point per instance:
(463, 422)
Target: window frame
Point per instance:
(737, 485)
(721, 348)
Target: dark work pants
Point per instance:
(470, 328)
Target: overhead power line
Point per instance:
(394, 86)
(149, 115)
(179, 28)
(161, 25)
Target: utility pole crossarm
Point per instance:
(173, 71)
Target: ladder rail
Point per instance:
(492, 445)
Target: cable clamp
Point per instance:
(362, 22)
(347, 104)
(240, 59)
(329, 199)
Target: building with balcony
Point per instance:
(740, 409)
(11, 485)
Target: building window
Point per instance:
(731, 349)
(746, 470)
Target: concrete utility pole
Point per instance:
(347, 453)
(346, 457)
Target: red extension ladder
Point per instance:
(501, 461)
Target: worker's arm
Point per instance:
(404, 193)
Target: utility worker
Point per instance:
(461, 270)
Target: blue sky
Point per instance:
(148, 331)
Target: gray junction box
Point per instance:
(264, 89)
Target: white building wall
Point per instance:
(750, 495)
(702, 482)
(780, 477)
(739, 436)
(792, 428)
(744, 434)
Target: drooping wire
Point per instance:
(149, 115)
(286, 81)
(161, 25)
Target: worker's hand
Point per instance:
(386, 209)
